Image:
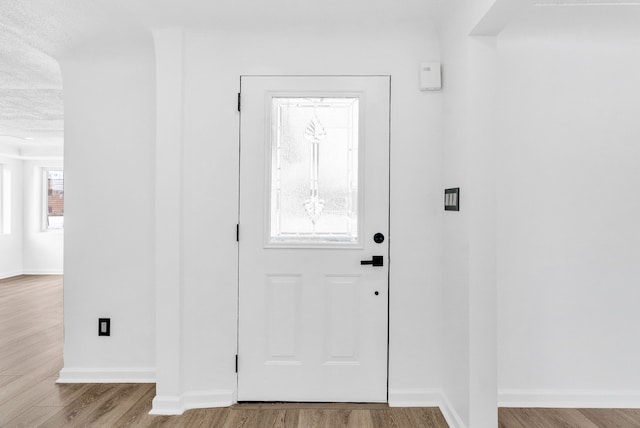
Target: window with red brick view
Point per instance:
(55, 199)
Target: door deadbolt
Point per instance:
(378, 238)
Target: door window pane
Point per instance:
(314, 170)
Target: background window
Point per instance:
(5, 200)
(54, 198)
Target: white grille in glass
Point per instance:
(314, 171)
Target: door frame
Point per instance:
(389, 140)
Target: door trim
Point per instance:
(389, 199)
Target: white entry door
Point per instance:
(314, 206)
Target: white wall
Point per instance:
(568, 210)
(455, 242)
(42, 250)
(27, 249)
(534, 209)
(469, 304)
(109, 226)
(11, 243)
(214, 62)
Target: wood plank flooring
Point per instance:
(569, 418)
(31, 357)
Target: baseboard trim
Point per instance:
(176, 405)
(10, 274)
(450, 415)
(415, 397)
(166, 405)
(42, 272)
(134, 375)
(424, 397)
(569, 398)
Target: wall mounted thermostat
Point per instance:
(430, 76)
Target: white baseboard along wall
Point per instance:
(107, 375)
(425, 397)
(569, 398)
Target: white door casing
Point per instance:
(314, 190)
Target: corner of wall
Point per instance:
(9, 274)
(177, 404)
(426, 397)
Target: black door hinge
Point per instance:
(238, 101)
(237, 233)
(236, 363)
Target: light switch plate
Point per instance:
(104, 326)
(452, 199)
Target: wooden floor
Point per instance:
(31, 357)
(578, 418)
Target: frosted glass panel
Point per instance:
(314, 170)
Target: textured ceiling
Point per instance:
(34, 32)
(30, 93)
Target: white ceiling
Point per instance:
(589, 21)
(281, 13)
(30, 93)
(33, 32)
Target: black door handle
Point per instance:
(375, 261)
